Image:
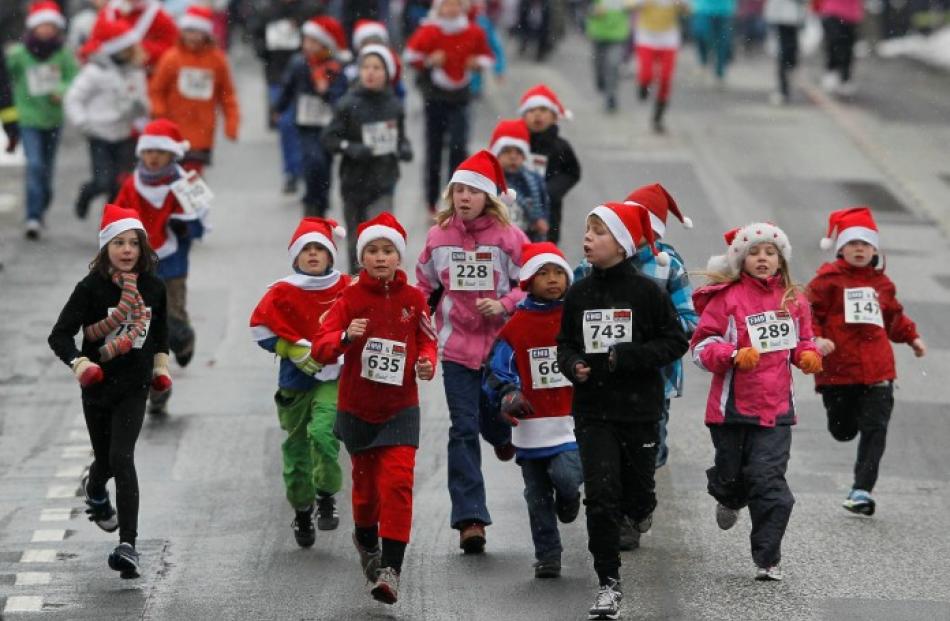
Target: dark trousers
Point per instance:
(444, 118)
(108, 161)
(840, 37)
(548, 481)
(317, 169)
(787, 54)
(749, 471)
(554, 221)
(866, 410)
(534, 26)
(619, 462)
(114, 420)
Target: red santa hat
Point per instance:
(197, 17)
(537, 255)
(366, 29)
(660, 204)
(323, 231)
(163, 135)
(741, 239)
(329, 32)
(483, 172)
(110, 36)
(540, 96)
(854, 223)
(116, 220)
(629, 223)
(383, 226)
(45, 12)
(511, 133)
(387, 56)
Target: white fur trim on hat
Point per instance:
(162, 143)
(193, 22)
(116, 45)
(748, 236)
(379, 231)
(385, 54)
(315, 31)
(535, 263)
(509, 141)
(616, 227)
(476, 180)
(313, 237)
(46, 16)
(118, 227)
(659, 227)
(366, 31)
(540, 101)
(859, 233)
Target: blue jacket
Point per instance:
(175, 265)
(533, 200)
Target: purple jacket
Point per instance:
(847, 10)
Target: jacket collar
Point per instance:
(768, 284)
(377, 286)
(312, 283)
(531, 303)
(618, 272)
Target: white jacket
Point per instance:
(105, 99)
(784, 12)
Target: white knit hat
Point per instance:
(740, 240)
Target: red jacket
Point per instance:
(863, 353)
(397, 312)
(459, 46)
(156, 205)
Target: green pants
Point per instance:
(310, 450)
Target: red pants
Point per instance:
(647, 57)
(382, 490)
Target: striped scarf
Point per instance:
(130, 307)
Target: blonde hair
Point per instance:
(493, 207)
(792, 289)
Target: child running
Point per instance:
(531, 210)
(855, 315)
(284, 322)
(753, 326)
(618, 331)
(120, 308)
(381, 326)
(658, 39)
(535, 399)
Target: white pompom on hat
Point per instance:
(384, 226)
(323, 231)
(629, 223)
(537, 255)
(741, 239)
(483, 172)
(852, 224)
(660, 204)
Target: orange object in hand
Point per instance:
(810, 362)
(747, 358)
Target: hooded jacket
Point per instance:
(106, 98)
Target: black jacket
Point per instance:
(363, 176)
(632, 389)
(90, 302)
(563, 170)
(298, 80)
(298, 11)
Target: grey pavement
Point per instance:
(215, 528)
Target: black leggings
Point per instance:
(840, 37)
(787, 54)
(866, 410)
(114, 422)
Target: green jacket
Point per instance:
(611, 26)
(35, 83)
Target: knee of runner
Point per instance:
(842, 432)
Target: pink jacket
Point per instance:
(847, 10)
(763, 395)
(465, 335)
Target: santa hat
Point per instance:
(387, 56)
(740, 240)
(45, 13)
(196, 17)
(540, 96)
(110, 36)
(116, 220)
(854, 223)
(329, 32)
(511, 133)
(163, 135)
(659, 203)
(535, 256)
(629, 224)
(323, 231)
(369, 28)
(483, 172)
(383, 226)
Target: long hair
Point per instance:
(792, 289)
(493, 207)
(145, 265)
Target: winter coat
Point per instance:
(863, 353)
(611, 26)
(762, 396)
(397, 311)
(465, 335)
(157, 32)
(784, 12)
(632, 389)
(105, 99)
(36, 81)
(553, 157)
(451, 80)
(298, 81)
(851, 11)
(276, 33)
(364, 179)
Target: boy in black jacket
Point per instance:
(617, 331)
(368, 129)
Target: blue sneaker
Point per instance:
(859, 501)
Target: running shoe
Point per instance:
(100, 510)
(860, 502)
(369, 560)
(125, 560)
(472, 538)
(327, 516)
(303, 528)
(547, 569)
(766, 574)
(386, 589)
(607, 603)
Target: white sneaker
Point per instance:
(767, 574)
(830, 82)
(725, 517)
(33, 229)
(607, 603)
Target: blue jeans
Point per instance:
(39, 146)
(317, 168)
(714, 36)
(108, 161)
(463, 393)
(444, 118)
(545, 478)
(662, 450)
(289, 140)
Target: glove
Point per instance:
(515, 406)
(299, 355)
(161, 380)
(178, 227)
(87, 373)
(747, 359)
(13, 135)
(404, 151)
(357, 151)
(810, 362)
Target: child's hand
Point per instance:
(541, 226)
(424, 369)
(747, 359)
(435, 59)
(56, 98)
(357, 329)
(473, 64)
(581, 372)
(920, 349)
(825, 346)
(810, 363)
(87, 373)
(321, 84)
(489, 307)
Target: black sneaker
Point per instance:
(327, 516)
(547, 569)
(158, 402)
(567, 510)
(100, 510)
(304, 532)
(125, 560)
(290, 185)
(629, 535)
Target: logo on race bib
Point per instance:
(593, 316)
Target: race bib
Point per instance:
(471, 271)
(544, 370)
(313, 111)
(196, 83)
(43, 79)
(772, 331)
(539, 163)
(604, 327)
(384, 361)
(192, 192)
(282, 34)
(862, 306)
(381, 137)
(126, 326)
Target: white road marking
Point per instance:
(23, 603)
(32, 578)
(52, 534)
(61, 491)
(38, 556)
(72, 471)
(57, 514)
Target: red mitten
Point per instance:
(87, 373)
(161, 380)
(161, 383)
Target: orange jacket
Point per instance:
(186, 88)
